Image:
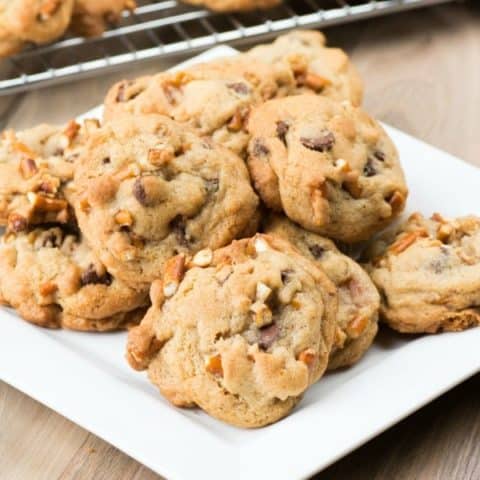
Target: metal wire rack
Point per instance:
(159, 29)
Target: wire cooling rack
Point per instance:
(159, 29)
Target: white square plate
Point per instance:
(85, 377)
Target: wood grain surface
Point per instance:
(422, 72)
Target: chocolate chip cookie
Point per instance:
(317, 68)
(241, 332)
(36, 168)
(92, 17)
(329, 166)
(428, 274)
(213, 98)
(51, 277)
(358, 299)
(37, 21)
(234, 5)
(149, 188)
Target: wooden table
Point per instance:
(423, 76)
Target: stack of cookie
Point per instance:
(207, 210)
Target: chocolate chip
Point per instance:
(285, 275)
(259, 148)
(211, 185)
(379, 155)
(323, 143)
(282, 130)
(267, 336)
(369, 170)
(239, 87)
(106, 160)
(179, 227)
(316, 250)
(139, 193)
(91, 277)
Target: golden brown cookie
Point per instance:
(37, 21)
(327, 165)
(51, 277)
(36, 169)
(358, 299)
(212, 98)
(317, 68)
(149, 188)
(428, 274)
(241, 332)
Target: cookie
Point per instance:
(149, 189)
(317, 68)
(51, 277)
(329, 166)
(428, 274)
(358, 299)
(37, 21)
(241, 332)
(214, 99)
(234, 5)
(92, 17)
(36, 168)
